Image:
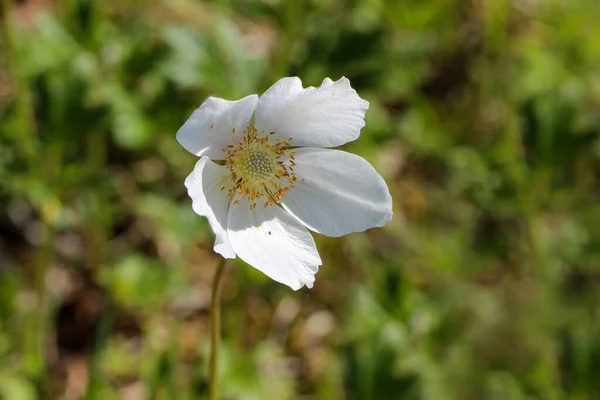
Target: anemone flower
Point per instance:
(265, 175)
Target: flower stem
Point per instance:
(215, 330)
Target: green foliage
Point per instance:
(483, 120)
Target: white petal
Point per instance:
(272, 241)
(204, 187)
(337, 193)
(327, 116)
(209, 128)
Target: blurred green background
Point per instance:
(484, 121)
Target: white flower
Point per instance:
(263, 191)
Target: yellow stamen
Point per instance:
(256, 165)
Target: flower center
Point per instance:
(260, 167)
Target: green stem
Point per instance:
(215, 330)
